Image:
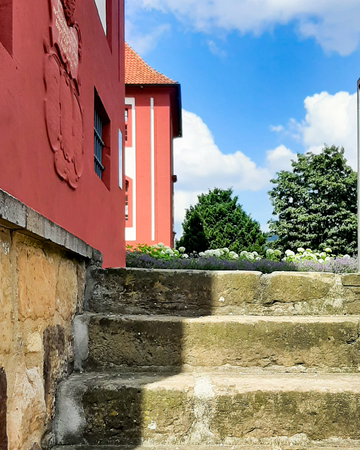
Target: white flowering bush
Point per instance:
(309, 255)
(276, 255)
(223, 258)
(225, 253)
(273, 255)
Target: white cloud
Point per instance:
(183, 199)
(276, 128)
(331, 120)
(215, 50)
(279, 159)
(333, 24)
(143, 43)
(200, 166)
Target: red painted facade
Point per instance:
(57, 66)
(153, 118)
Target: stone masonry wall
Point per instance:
(41, 288)
(42, 277)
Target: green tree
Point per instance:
(218, 221)
(193, 238)
(315, 203)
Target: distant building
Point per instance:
(152, 121)
(61, 127)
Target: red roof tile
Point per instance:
(138, 72)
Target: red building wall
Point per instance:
(30, 169)
(151, 224)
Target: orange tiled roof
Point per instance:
(138, 72)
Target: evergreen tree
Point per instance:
(218, 221)
(315, 203)
(193, 238)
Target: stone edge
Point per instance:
(17, 216)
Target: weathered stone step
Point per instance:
(274, 446)
(197, 293)
(208, 409)
(286, 343)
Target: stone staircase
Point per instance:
(194, 360)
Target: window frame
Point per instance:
(102, 139)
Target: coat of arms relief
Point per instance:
(63, 112)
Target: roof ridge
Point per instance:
(137, 71)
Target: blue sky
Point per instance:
(261, 80)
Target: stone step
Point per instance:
(275, 446)
(209, 409)
(198, 293)
(292, 343)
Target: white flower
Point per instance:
(184, 255)
(328, 250)
(233, 255)
(289, 253)
(270, 251)
(225, 250)
(160, 244)
(202, 254)
(301, 250)
(181, 249)
(346, 256)
(216, 252)
(277, 252)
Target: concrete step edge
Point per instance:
(246, 341)
(219, 318)
(91, 405)
(346, 445)
(187, 292)
(249, 382)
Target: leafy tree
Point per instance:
(315, 203)
(218, 221)
(193, 238)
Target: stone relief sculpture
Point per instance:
(63, 112)
(69, 10)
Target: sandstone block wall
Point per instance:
(193, 293)
(41, 289)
